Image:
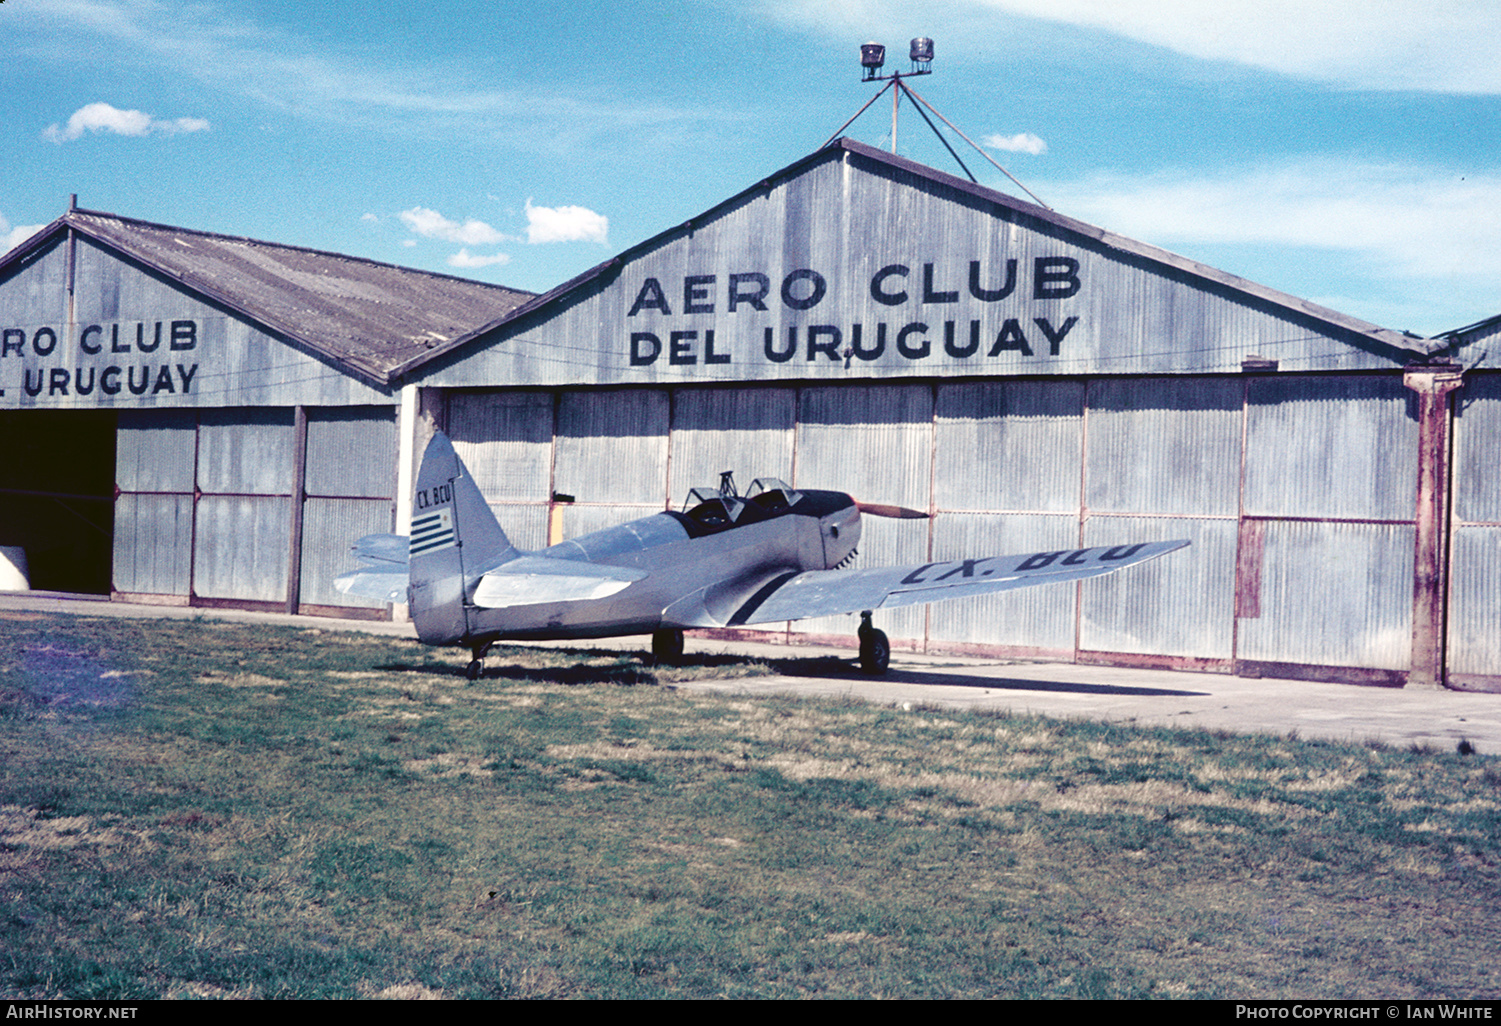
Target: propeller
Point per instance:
(882, 509)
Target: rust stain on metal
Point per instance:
(1249, 559)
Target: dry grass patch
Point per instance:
(26, 828)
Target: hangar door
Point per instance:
(1474, 640)
(1325, 564)
(253, 508)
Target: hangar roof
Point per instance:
(1158, 262)
(368, 316)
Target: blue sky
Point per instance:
(1344, 153)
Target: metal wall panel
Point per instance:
(1478, 349)
(153, 544)
(241, 546)
(1036, 618)
(329, 528)
(351, 451)
(36, 293)
(349, 481)
(872, 441)
(246, 452)
(242, 539)
(1164, 445)
(118, 291)
(612, 446)
(747, 430)
(1331, 447)
(524, 523)
(1333, 594)
(1474, 608)
(1474, 624)
(153, 533)
(505, 439)
(1182, 604)
(1477, 450)
(154, 450)
(1008, 445)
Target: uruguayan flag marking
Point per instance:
(432, 531)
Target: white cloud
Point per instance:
(432, 225)
(10, 237)
(1428, 232)
(1021, 142)
(1375, 44)
(463, 258)
(565, 224)
(1425, 222)
(101, 117)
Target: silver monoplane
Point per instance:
(725, 560)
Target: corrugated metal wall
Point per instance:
(205, 505)
(747, 430)
(1330, 483)
(1007, 478)
(1474, 635)
(506, 441)
(348, 493)
(1163, 461)
(244, 514)
(155, 456)
(1256, 471)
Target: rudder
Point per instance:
(454, 540)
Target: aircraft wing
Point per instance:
(796, 596)
(531, 580)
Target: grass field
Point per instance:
(206, 809)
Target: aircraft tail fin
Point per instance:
(455, 539)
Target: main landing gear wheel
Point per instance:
(667, 647)
(476, 669)
(875, 649)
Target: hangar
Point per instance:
(199, 419)
(861, 322)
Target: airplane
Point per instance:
(725, 560)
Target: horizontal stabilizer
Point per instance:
(381, 585)
(383, 548)
(534, 580)
(823, 592)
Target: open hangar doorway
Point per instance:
(57, 485)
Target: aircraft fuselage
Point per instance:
(690, 568)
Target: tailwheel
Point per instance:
(875, 649)
(667, 647)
